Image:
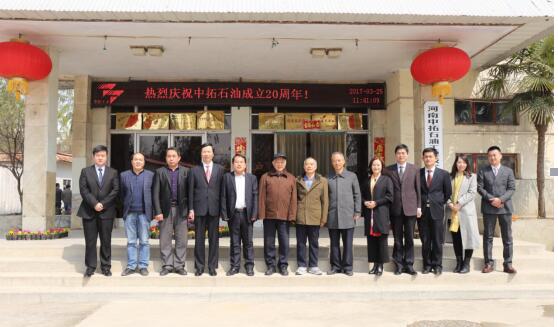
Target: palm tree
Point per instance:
(527, 80)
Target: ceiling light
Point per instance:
(318, 52)
(334, 53)
(138, 50)
(155, 50)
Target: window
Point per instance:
(469, 112)
(479, 160)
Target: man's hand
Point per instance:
(158, 217)
(419, 212)
(356, 216)
(99, 207)
(191, 216)
(496, 202)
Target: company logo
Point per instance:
(109, 93)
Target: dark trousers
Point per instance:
(341, 262)
(505, 222)
(403, 245)
(211, 225)
(271, 227)
(103, 229)
(458, 245)
(175, 227)
(241, 229)
(432, 236)
(378, 248)
(311, 234)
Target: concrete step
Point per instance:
(539, 263)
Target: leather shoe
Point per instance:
(348, 272)
(212, 272)
(181, 271)
(164, 272)
(250, 271)
(438, 271)
(107, 272)
(410, 271)
(488, 268)
(509, 269)
(374, 269)
(198, 272)
(380, 270)
(270, 271)
(333, 272)
(397, 271)
(232, 272)
(89, 272)
(144, 271)
(426, 270)
(128, 272)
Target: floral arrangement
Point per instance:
(154, 232)
(49, 234)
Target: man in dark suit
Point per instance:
(99, 187)
(496, 185)
(170, 206)
(435, 192)
(204, 194)
(404, 210)
(239, 206)
(135, 190)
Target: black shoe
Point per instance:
(283, 271)
(410, 271)
(270, 271)
(374, 269)
(128, 272)
(89, 272)
(438, 271)
(107, 272)
(397, 270)
(232, 272)
(164, 272)
(212, 272)
(426, 270)
(250, 271)
(458, 265)
(181, 271)
(144, 271)
(333, 272)
(198, 272)
(465, 268)
(348, 272)
(380, 269)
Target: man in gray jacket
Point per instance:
(496, 185)
(344, 208)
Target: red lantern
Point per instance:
(21, 62)
(439, 67)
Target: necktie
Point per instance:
(495, 171)
(101, 176)
(429, 178)
(400, 172)
(207, 173)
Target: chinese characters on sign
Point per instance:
(433, 134)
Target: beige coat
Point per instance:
(312, 204)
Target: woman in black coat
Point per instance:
(377, 198)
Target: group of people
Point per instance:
(63, 196)
(388, 198)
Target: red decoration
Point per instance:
(21, 62)
(439, 67)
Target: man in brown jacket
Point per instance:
(277, 206)
(312, 207)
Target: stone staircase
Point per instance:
(38, 271)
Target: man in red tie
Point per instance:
(435, 191)
(204, 194)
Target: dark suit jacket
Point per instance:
(92, 193)
(501, 186)
(205, 198)
(228, 196)
(383, 195)
(162, 192)
(406, 191)
(438, 193)
(126, 179)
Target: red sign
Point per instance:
(380, 148)
(311, 124)
(169, 94)
(240, 145)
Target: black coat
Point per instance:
(162, 192)
(228, 196)
(205, 198)
(92, 193)
(383, 195)
(438, 193)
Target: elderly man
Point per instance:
(277, 206)
(344, 209)
(312, 206)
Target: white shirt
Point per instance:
(401, 165)
(240, 183)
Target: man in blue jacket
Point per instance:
(135, 187)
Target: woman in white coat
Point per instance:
(462, 214)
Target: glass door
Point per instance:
(153, 147)
(189, 148)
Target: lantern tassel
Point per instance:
(18, 86)
(440, 90)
